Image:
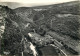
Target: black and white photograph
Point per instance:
(39, 27)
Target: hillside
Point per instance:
(69, 7)
(57, 25)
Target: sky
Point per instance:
(30, 3)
